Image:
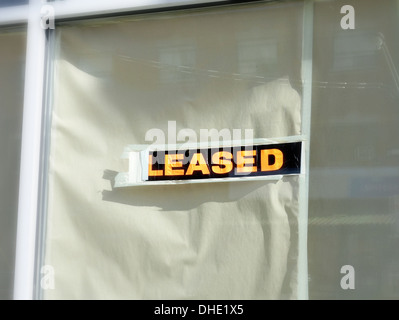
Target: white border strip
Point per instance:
(210, 144)
(14, 15)
(124, 176)
(74, 9)
(138, 161)
(307, 50)
(79, 8)
(30, 157)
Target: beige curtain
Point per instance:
(234, 68)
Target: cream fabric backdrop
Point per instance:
(116, 79)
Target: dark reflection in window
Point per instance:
(12, 61)
(9, 3)
(354, 166)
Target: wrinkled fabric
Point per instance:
(114, 82)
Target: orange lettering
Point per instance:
(278, 159)
(222, 160)
(243, 159)
(151, 172)
(197, 163)
(171, 162)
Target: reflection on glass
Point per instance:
(354, 176)
(12, 60)
(10, 3)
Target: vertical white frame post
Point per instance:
(30, 155)
(306, 75)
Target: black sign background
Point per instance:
(291, 162)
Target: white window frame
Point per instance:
(34, 112)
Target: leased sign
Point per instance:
(225, 162)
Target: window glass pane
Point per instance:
(12, 61)
(227, 68)
(354, 176)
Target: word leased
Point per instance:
(225, 162)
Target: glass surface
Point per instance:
(227, 68)
(12, 61)
(10, 3)
(354, 175)
(213, 68)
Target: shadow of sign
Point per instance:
(179, 197)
